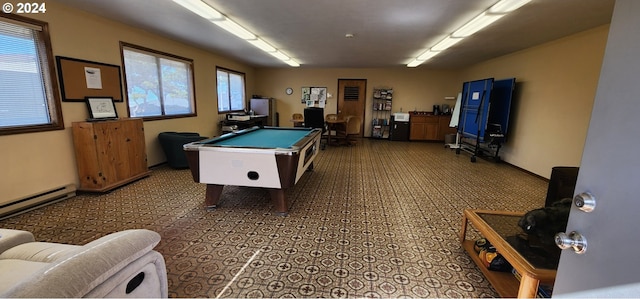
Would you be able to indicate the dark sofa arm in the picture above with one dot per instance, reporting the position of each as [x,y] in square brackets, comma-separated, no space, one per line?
[172,143]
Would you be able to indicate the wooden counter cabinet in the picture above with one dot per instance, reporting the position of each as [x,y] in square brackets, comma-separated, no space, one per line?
[429,127]
[423,127]
[109,153]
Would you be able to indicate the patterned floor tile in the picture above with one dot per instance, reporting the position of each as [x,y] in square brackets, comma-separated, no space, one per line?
[377,220]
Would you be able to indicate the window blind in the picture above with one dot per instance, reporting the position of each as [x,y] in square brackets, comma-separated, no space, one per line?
[24,75]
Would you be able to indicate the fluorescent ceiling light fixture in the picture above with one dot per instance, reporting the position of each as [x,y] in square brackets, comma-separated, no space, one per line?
[427,55]
[506,6]
[422,58]
[475,25]
[262,45]
[446,43]
[235,29]
[292,63]
[280,55]
[481,21]
[207,12]
[201,9]
[415,63]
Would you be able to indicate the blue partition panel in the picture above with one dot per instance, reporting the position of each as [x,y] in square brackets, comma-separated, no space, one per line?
[501,97]
[475,108]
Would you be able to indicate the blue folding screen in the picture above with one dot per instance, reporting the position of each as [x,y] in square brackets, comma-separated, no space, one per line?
[475,108]
[501,98]
[485,103]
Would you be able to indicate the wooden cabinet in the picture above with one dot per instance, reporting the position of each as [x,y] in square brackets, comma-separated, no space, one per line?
[109,154]
[429,127]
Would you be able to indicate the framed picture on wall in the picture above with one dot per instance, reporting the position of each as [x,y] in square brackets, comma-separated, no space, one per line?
[101,108]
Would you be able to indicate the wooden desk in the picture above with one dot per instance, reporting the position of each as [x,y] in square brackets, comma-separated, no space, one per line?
[332,125]
[497,227]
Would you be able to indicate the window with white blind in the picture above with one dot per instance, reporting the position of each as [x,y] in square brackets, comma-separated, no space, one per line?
[159,85]
[230,90]
[29,100]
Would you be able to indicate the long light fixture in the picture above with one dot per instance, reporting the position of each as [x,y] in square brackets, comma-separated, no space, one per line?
[507,6]
[207,12]
[445,43]
[476,24]
[280,55]
[201,9]
[235,29]
[262,45]
[426,55]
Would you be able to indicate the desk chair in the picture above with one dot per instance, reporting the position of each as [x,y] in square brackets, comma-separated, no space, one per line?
[314,118]
[562,184]
[332,116]
[298,119]
[353,127]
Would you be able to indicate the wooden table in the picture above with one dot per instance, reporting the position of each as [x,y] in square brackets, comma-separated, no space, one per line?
[332,124]
[497,227]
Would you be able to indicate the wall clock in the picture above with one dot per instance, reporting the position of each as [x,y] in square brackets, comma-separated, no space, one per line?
[289,90]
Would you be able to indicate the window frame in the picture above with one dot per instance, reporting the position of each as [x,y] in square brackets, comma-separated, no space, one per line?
[50,83]
[244,91]
[160,54]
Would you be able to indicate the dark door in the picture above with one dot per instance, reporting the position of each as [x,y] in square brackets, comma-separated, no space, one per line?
[352,98]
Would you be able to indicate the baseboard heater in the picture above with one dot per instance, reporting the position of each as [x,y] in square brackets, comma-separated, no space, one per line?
[31,202]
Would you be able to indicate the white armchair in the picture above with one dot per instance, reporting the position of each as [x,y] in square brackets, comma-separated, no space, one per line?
[121,264]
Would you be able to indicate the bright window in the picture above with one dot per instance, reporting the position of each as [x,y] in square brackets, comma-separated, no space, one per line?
[159,85]
[230,90]
[29,100]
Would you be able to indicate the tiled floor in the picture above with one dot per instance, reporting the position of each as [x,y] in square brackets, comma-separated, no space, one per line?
[378,219]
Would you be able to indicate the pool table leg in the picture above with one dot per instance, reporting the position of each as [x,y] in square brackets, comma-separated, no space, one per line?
[212,196]
[279,200]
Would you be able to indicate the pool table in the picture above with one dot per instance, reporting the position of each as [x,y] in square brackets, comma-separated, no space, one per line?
[273,158]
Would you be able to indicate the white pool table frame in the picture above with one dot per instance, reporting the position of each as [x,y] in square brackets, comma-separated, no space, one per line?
[275,169]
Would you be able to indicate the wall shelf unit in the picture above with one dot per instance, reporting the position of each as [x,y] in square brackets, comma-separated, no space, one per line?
[381,116]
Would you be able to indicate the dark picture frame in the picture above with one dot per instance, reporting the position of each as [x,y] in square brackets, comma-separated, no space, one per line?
[83,78]
[101,108]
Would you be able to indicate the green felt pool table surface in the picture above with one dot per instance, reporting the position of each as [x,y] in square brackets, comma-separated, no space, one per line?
[262,138]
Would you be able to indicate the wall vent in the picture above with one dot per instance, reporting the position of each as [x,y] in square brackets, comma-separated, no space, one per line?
[351,93]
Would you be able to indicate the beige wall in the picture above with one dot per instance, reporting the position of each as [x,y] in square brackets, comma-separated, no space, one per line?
[556,91]
[412,88]
[33,163]
[556,85]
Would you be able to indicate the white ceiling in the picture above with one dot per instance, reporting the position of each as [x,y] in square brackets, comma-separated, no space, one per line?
[387,33]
